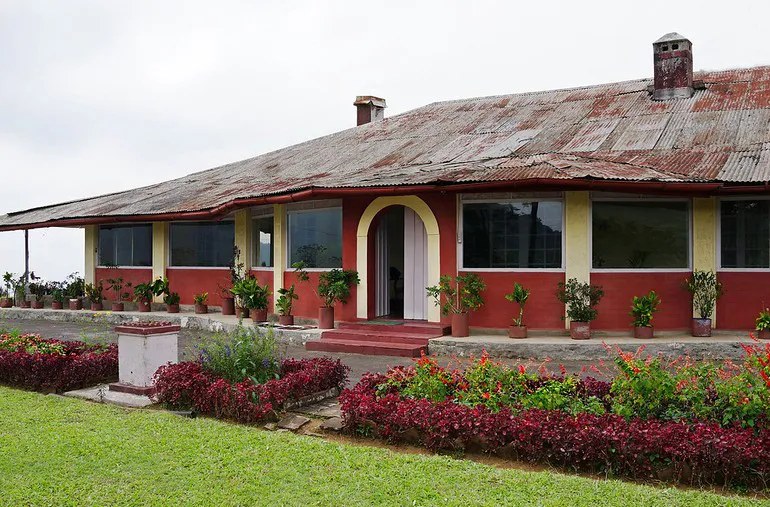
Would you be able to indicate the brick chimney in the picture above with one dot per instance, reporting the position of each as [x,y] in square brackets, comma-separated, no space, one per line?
[369,109]
[672,56]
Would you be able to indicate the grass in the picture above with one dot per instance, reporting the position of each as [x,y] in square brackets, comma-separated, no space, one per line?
[56,451]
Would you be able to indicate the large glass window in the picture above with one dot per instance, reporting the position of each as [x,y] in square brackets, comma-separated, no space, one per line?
[745,238]
[125,245]
[315,237]
[205,244]
[512,235]
[263,242]
[641,234]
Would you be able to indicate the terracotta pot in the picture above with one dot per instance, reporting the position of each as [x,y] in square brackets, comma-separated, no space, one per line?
[201,309]
[517,331]
[172,308]
[460,325]
[228,306]
[57,305]
[259,315]
[241,312]
[76,304]
[286,320]
[97,307]
[25,304]
[644,332]
[143,306]
[701,327]
[117,307]
[326,318]
[37,305]
[580,330]
[764,335]
[6,302]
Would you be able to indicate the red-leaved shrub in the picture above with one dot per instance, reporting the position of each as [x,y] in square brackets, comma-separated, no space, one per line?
[692,452]
[188,385]
[79,365]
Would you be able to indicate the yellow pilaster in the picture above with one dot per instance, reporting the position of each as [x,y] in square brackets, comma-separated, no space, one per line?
[704,237]
[577,233]
[160,245]
[280,256]
[91,242]
[243,233]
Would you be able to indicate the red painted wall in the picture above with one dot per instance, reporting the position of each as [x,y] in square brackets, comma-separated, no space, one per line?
[542,311]
[745,295]
[135,276]
[619,288]
[188,282]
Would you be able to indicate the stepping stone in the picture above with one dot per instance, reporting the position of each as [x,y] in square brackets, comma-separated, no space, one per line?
[293,422]
[334,424]
[271,426]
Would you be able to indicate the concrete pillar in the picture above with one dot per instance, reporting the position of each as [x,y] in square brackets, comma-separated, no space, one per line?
[280,255]
[704,238]
[91,246]
[160,252]
[142,349]
[243,236]
[577,233]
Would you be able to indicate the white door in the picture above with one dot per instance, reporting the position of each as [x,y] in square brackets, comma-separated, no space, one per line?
[382,262]
[415,267]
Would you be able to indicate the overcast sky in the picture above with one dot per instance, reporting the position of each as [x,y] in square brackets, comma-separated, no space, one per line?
[101,96]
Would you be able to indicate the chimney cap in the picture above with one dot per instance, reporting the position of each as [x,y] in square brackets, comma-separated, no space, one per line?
[362,100]
[671,37]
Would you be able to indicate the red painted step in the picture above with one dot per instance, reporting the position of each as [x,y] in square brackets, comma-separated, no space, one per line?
[367,347]
[414,327]
[376,336]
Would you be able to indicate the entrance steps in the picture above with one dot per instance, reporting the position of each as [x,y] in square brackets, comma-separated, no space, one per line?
[379,338]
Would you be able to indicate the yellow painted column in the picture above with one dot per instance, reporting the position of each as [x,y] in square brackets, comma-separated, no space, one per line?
[280,256]
[160,249]
[91,242]
[243,234]
[704,238]
[577,234]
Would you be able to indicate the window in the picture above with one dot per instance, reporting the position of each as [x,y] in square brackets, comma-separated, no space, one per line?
[745,234]
[315,237]
[204,244]
[523,235]
[263,242]
[641,235]
[125,245]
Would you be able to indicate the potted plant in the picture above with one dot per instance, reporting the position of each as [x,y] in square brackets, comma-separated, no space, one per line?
[74,288]
[117,285]
[200,303]
[39,289]
[241,290]
[763,324]
[143,296]
[5,297]
[519,296]
[172,302]
[258,302]
[642,308]
[460,296]
[284,304]
[580,298]
[705,289]
[95,293]
[162,288]
[237,274]
[334,287]
[58,295]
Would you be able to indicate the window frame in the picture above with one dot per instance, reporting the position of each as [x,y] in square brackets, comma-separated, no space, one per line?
[686,200]
[719,234]
[461,234]
[98,244]
[169,265]
[314,209]
[255,241]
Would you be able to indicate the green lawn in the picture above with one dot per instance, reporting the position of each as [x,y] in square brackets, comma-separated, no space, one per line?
[57,451]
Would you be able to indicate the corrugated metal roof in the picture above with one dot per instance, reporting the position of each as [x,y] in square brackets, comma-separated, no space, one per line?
[613,131]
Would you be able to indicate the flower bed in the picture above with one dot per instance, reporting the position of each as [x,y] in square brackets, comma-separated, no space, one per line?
[32,362]
[681,421]
[189,385]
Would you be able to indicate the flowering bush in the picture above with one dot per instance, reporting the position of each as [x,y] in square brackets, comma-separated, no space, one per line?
[190,385]
[32,362]
[244,353]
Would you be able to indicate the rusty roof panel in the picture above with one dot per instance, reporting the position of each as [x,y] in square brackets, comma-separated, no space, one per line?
[614,131]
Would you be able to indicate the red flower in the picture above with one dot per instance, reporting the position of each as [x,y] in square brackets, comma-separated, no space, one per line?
[485,396]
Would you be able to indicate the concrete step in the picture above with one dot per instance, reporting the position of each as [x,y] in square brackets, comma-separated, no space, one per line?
[430,329]
[367,347]
[376,335]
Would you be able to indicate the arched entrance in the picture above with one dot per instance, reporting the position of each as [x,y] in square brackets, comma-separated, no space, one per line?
[421,259]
